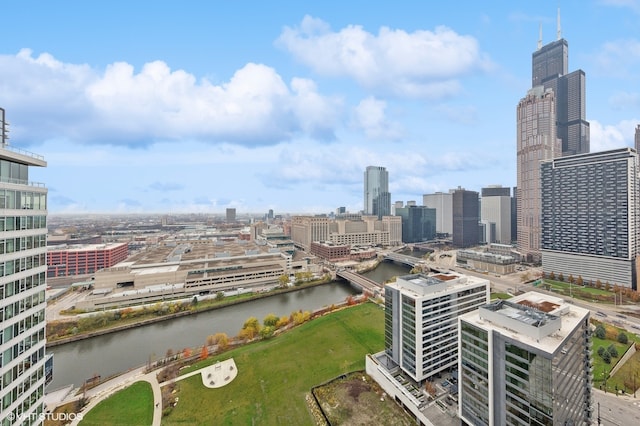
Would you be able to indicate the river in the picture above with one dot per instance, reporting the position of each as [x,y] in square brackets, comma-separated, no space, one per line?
[117,352]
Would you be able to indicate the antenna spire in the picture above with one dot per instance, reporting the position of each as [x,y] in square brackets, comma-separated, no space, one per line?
[540,36]
[559,29]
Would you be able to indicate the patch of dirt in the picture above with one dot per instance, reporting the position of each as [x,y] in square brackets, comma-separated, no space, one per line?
[357,400]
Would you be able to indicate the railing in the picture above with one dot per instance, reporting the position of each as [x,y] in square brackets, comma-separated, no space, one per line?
[23,152]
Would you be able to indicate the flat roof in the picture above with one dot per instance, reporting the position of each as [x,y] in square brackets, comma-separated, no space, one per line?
[534,311]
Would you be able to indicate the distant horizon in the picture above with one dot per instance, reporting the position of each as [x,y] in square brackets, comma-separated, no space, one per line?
[283,108]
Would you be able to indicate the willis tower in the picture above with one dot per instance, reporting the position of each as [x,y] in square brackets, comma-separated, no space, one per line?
[550,65]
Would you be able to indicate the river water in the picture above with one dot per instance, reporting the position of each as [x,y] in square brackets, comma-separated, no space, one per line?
[120,351]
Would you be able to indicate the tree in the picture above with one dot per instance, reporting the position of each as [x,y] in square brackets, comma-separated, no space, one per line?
[270,320]
[598,283]
[612,351]
[601,332]
[221,340]
[571,279]
[622,338]
[220,295]
[250,329]
[552,276]
[430,388]
[600,350]
[606,357]
[283,280]
[560,277]
[204,353]
[607,286]
[266,332]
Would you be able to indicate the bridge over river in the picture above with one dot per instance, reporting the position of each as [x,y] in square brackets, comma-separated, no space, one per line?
[365,284]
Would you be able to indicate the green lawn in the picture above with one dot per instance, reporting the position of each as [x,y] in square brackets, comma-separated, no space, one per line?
[275,375]
[132,405]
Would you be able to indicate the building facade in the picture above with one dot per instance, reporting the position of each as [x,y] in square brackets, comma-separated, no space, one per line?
[526,360]
[377,199]
[591,216]
[443,203]
[495,208]
[536,137]
[466,218]
[418,223]
[23,266]
[64,261]
[420,320]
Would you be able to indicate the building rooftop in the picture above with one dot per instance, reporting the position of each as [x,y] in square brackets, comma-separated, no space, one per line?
[83,247]
[422,285]
[539,320]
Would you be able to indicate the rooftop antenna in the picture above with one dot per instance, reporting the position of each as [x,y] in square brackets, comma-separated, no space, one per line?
[540,37]
[559,29]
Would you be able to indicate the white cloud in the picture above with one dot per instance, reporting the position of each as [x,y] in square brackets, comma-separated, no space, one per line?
[424,63]
[121,106]
[612,136]
[619,58]
[369,115]
[631,4]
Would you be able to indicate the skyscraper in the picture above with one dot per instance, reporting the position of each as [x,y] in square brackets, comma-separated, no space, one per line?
[637,139]
[550,66]
[466,218]
[418,223]
[377,199]
[591,216]
[443,203]
[526,360]
[536,141]
[495,208]
[23,239]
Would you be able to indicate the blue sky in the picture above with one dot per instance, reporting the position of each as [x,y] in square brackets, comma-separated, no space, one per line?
[196,106]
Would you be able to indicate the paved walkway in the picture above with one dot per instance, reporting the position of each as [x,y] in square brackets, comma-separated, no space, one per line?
[108,388]
[99,393]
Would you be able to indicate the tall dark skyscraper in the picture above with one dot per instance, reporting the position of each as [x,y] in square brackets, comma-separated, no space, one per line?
[550,64]
[466,218]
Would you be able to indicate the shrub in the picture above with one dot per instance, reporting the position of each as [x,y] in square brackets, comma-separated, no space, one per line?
[600,350]
[606,357]
[601,332]
[622,338]
[612,351]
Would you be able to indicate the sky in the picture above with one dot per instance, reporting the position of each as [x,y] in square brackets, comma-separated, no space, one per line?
[198,106]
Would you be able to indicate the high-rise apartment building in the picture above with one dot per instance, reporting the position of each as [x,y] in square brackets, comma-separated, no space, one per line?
[637,139]
[421,330]
[550,64]
[466,218]
[377,199]
[536,141]
[443,203]
[23,263]
[526,360]
[591,216]
[495,209]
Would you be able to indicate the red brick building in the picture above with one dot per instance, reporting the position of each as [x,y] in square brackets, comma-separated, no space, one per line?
[63,261]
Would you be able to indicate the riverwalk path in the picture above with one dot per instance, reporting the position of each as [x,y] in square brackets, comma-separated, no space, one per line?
[101,392]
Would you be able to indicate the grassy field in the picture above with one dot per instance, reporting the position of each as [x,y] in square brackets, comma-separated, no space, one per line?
[132,405]
[275,375]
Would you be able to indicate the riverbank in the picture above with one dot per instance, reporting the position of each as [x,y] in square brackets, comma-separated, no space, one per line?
[193,309]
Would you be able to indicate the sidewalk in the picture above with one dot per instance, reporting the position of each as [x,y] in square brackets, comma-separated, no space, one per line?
[97,394]
[108,388]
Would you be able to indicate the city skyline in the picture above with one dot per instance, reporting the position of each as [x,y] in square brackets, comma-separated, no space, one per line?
[174,110]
